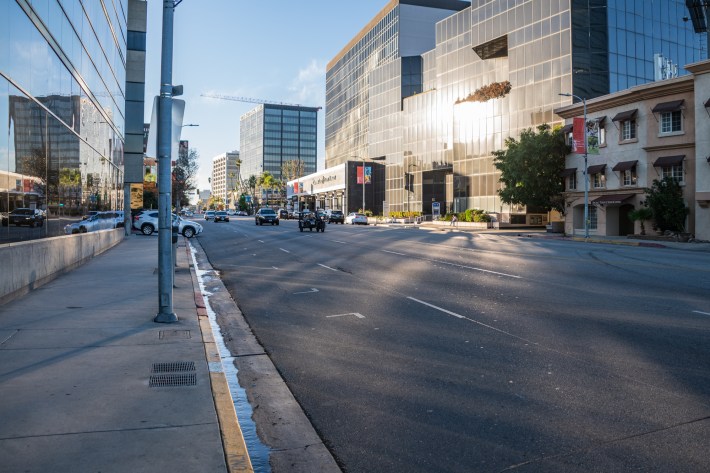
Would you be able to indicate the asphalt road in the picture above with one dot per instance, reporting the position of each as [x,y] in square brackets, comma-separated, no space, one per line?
[423,351]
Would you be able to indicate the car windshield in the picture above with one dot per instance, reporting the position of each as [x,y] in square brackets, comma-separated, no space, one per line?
[221,213]
[267,212]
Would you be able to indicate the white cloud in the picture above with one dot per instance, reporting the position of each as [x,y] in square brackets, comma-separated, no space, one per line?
[308,87]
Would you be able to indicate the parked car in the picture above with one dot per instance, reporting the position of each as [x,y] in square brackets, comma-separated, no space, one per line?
[335,216]
[266,215]
[242,213]
[147,222]
[283,213]
[231,212]
[354,218]
[209,215]
[221,216]
[24,216]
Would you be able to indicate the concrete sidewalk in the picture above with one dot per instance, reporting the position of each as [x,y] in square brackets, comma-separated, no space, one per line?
[89,383]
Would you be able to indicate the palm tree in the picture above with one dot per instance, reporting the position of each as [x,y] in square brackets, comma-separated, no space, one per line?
[641,214]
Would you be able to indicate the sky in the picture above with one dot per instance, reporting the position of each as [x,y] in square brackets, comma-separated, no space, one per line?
[273,50]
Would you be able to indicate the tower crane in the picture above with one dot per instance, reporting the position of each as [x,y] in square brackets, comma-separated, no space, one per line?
[250,100]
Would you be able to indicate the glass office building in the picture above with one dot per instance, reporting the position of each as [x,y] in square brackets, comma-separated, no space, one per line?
[403,28]
[62,102]
[438,145]
[271,135]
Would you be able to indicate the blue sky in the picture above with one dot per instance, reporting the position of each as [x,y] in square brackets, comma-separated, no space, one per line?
[270,50]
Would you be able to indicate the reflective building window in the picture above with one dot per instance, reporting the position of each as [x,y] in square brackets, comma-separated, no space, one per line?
[62,105]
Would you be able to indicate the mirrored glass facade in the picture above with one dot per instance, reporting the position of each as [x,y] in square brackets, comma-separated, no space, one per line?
[62,100]
[271,135]
[402,29]
[445,137]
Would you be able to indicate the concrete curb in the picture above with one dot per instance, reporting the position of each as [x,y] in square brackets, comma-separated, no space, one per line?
[282,426]
[235,450]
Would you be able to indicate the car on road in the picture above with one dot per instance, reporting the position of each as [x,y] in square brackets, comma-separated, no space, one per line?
[209,215]
[266,215]
[335,216]
[147,222]
[221,216]
[242,213]
[283,214]
[24,216]
[355,218]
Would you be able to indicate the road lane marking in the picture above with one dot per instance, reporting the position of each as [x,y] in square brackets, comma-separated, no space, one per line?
[313,289]
[275,267]
[260,241]
[703,313]
[327,267]
[437,308]
[474,268]
[472,320]
[285,251]
[394,253]
[359,316]
[338,241]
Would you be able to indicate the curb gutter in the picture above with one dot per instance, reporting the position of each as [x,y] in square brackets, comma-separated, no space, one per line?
[235,450]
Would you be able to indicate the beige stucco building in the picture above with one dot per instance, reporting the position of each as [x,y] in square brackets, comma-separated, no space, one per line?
[644,133]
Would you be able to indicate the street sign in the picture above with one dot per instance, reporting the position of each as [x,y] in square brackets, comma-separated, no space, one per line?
[436,209]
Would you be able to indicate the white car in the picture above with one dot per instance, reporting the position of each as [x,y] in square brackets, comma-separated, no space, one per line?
[96,221]
[354,218]
[147,222]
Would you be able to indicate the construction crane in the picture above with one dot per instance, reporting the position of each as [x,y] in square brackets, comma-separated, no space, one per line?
[249,100]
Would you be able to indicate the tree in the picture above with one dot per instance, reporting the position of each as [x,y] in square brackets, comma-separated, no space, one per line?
[184,174]
[292,169]
[665,199]
[266,181]
[530,168]
[641,214]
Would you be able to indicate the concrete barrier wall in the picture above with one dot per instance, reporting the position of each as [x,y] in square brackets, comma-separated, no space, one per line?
[28,265]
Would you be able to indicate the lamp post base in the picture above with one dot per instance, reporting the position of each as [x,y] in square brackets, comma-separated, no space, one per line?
[165,318]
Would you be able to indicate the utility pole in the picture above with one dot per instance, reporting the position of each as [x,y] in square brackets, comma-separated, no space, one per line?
[165,119]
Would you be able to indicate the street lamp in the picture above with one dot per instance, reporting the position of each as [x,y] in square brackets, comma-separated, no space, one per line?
[586,174]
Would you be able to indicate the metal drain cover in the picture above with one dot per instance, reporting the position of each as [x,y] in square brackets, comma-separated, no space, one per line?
[172,367]
[173,380]
[174,334]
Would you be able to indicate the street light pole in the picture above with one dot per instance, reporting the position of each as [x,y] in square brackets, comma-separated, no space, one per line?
[586,174]
[165,119]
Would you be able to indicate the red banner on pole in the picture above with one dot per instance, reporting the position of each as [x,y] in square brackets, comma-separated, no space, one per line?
[578,135]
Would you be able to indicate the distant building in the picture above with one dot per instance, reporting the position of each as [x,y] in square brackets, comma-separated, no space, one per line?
[225,177]
[270,135]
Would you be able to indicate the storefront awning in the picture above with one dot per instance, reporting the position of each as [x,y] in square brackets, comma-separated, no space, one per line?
[568,172]
[612,199]
[625,165]
[667,161]
[673,106]
[567,128]
[624,116]
[596,169]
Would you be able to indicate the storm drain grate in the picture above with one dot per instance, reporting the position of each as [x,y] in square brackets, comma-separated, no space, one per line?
[173,367]
[172,380]
[174,335]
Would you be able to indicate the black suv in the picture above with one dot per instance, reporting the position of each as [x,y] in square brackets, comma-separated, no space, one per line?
[336,216]
[266,216]
[28,217]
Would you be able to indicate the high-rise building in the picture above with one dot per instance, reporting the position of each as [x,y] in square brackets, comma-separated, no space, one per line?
[225,176]
[497,67]
[63,93]
[271,135]
[402,29]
